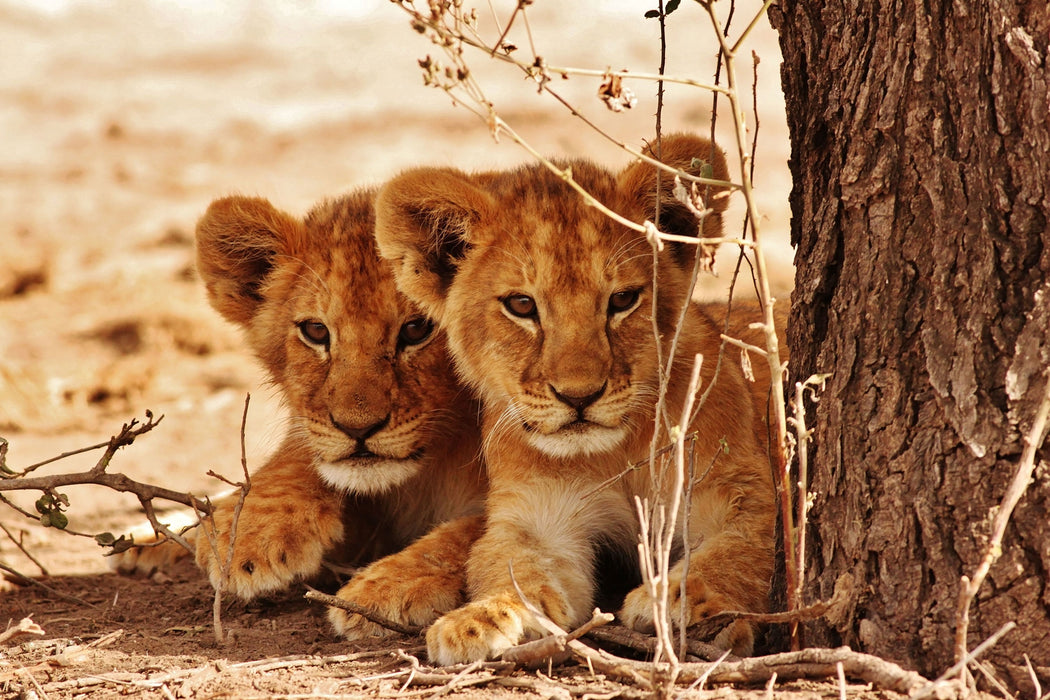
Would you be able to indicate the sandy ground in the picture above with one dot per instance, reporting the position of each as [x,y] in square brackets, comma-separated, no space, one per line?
[120,122]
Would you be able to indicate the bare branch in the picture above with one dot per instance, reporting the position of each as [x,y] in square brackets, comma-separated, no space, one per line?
[98,474]
[370,615]
[33,582]
[17,541]
[220,590]
[795,665]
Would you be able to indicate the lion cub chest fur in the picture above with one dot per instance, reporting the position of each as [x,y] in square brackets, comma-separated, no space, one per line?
[558,318]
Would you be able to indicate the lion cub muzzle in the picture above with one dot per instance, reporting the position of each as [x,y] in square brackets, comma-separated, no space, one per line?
[579,400]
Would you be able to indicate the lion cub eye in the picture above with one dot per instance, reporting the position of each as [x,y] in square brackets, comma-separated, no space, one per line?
[622,301]
[520,305]
[414,331]
[314,332]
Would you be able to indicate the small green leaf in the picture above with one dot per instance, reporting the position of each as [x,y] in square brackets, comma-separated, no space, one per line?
[118,544]
[44,503]
[59,520]
[724,444]
[652,14]
[702,167]
[671,6]
[45,519]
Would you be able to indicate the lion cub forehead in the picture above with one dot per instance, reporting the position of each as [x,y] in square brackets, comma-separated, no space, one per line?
[559,238]
[339,268]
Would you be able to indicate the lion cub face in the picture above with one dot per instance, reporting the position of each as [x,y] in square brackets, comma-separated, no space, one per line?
[560,343]
[548,304]
[364,374]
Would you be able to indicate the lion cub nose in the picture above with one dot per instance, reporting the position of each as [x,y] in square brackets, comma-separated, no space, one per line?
[579,399]
[360,433]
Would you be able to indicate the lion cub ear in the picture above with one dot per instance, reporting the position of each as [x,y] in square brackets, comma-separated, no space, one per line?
[695,155]
[427,221]
[238,240]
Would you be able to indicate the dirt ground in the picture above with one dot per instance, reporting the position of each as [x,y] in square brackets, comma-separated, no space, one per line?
[120,122]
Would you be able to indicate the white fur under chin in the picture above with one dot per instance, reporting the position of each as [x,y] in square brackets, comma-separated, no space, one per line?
[370,480]
[566,443]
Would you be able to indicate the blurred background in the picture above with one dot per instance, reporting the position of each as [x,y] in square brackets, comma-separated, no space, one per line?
[120,121]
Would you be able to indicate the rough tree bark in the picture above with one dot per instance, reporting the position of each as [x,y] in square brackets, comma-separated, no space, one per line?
[921,160]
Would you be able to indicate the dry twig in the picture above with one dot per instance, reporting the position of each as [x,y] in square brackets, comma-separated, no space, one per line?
[17,541]
[24,626]
[244,487]
[794,665]
[370,615]
[18,481]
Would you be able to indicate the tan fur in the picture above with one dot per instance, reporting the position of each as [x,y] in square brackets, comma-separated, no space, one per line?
[383,443]
[569,393]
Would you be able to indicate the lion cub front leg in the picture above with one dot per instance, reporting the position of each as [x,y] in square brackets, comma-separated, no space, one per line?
[534,539]
[414,586]
[288,521]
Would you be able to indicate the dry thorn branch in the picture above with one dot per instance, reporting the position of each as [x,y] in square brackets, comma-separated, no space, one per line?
[794,665]
[556,645]
[643,643]
[946,678]
[796,556]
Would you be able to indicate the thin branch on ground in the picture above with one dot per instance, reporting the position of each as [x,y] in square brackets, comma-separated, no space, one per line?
[793,665]
[646,644]
[554,646]
[370,615]
[22,578]
[24,626]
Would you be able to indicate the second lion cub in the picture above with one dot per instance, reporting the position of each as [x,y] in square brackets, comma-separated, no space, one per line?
[382,455]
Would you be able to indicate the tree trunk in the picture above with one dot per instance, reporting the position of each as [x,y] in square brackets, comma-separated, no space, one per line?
[921,161]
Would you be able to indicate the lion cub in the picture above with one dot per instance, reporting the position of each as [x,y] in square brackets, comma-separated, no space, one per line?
[383,452]
[550,309]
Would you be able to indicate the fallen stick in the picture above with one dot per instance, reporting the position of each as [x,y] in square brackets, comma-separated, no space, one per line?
[793,665]
[24,626]
[370,615]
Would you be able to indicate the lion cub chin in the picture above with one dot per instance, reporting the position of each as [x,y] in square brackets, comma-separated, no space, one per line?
[550,309]
[382,461]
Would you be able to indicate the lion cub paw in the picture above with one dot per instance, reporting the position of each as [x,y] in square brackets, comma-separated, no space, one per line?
[414,586]
[701,601]
[272,549]
[156,555]
[398,594]
[480,630]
